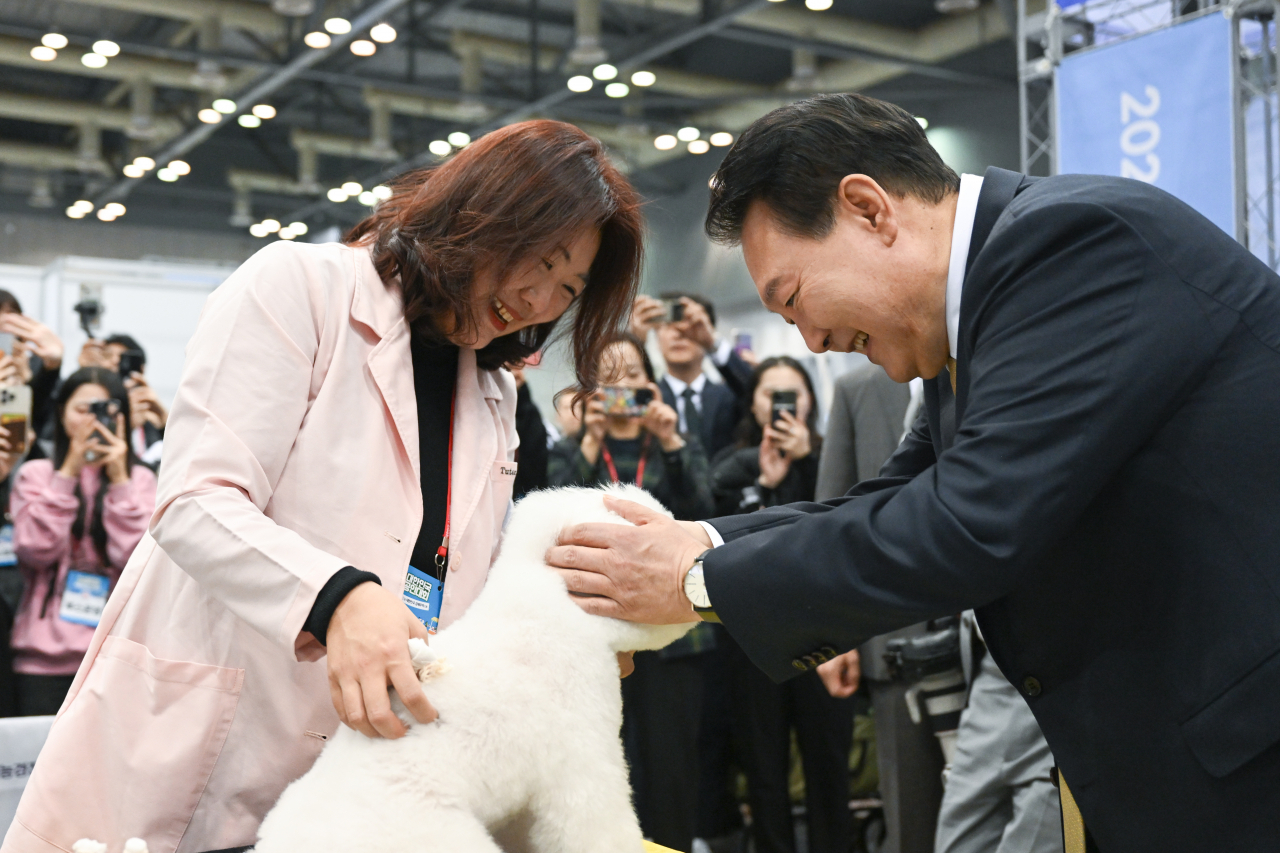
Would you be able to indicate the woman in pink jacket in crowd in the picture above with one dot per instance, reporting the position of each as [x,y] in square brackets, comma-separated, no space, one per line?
[339,459]
[76,520]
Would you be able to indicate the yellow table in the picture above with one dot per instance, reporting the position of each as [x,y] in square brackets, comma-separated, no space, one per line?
[650,847]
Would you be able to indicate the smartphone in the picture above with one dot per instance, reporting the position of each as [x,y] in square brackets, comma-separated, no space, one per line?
[741,342]
[630,402]
[15,414]
[783,401]
[6,342]
[105,411]
[131,361]
[674,309]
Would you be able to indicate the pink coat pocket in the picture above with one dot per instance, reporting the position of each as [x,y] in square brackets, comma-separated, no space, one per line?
[165,721]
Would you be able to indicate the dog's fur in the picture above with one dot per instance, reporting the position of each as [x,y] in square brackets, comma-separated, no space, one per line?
[526,753]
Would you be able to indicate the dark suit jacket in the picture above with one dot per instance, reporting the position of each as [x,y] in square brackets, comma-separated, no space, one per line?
[720,414]
[1104,488]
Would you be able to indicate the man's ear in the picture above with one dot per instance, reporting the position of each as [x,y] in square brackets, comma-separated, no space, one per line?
[866,203]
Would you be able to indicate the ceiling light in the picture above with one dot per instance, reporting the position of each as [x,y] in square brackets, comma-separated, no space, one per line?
[167,175]
[665,142]
[604,72]
[699,146]
[687,134]
[384,33]
[133,170]
[179,167]
[209,116]
[617,90]
[317,40]
[923,122]
[41,53]
[84,204]
[106,215]
[286,234]
[579,83]
[76,212]
[459,139]
[352,188]
[643,78]
[382,192]
[144,162]
[818,5]
[298,228]
[721,139]
[439,147]
[115,208]
[367,198]
[249,120]
[106,47]
[363,47]
[93,60]
[264,111]
[338,26]
[226,106]
[57,41]
[257,230]
[272,225]
[336,195]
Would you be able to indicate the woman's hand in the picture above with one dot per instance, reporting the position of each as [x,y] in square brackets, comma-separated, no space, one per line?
[9,455]
[841,675]
[661,421]
[596,422]
[38,337]
[114,457]
[773,464]
[144,405]
[81,443]
[368,644]
[791,436]
[10,373]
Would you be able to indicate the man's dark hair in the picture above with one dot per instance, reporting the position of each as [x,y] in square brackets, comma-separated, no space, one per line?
[128,342]
[9,303]
[794,158]
[704,302]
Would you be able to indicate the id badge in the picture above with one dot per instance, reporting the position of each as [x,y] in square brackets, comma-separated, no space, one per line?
[423,595]
[8,557]
[84,598]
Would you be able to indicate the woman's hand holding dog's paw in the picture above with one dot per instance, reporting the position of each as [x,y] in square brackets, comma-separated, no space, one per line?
[368,645]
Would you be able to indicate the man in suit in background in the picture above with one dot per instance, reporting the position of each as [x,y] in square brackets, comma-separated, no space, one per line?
[868,411]
[1091,472]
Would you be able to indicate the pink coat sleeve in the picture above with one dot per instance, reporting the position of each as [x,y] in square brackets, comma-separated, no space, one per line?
[44,508]
[126,509]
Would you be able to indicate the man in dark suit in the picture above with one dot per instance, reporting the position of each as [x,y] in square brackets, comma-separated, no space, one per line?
[1093,471]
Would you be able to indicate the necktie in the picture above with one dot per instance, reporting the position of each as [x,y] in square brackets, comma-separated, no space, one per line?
[692,417]
[951,370]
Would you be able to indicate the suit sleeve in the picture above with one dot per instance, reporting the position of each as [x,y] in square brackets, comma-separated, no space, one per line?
[1083,342]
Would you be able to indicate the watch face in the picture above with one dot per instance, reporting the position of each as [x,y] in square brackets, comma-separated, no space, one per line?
[695,587]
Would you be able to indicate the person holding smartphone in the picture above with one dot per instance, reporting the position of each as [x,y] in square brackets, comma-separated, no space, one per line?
[76,519]
[343,422]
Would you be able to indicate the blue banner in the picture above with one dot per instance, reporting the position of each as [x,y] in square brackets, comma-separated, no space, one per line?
[1156,108]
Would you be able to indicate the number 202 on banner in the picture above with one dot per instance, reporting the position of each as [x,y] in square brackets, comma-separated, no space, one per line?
[1139,135]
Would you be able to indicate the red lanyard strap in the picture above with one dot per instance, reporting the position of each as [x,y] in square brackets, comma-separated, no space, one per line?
[613,471]
[442,553]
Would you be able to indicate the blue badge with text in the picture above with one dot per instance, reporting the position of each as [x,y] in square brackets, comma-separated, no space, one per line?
[84,598]
[423,595]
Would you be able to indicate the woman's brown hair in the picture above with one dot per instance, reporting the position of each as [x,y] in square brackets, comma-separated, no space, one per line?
[512,195]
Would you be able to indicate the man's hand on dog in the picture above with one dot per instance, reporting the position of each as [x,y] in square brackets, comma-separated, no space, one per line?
[632,573]
[368,645]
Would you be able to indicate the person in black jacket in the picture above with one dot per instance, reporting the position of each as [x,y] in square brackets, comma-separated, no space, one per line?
[531,456]
[776,462]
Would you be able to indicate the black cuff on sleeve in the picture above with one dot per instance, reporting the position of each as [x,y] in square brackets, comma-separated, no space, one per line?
[331,594]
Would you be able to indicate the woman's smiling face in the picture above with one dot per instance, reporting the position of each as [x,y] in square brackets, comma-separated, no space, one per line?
[538,292]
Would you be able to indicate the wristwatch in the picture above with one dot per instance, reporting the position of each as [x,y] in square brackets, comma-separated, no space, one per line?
[695,585]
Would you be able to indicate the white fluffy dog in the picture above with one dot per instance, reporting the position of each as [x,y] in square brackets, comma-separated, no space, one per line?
[526,755]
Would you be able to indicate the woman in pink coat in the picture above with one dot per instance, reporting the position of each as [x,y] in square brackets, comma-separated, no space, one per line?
[342,443]
[76,520]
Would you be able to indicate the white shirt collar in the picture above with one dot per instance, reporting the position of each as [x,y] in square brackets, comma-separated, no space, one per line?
[678,386]
[961,236]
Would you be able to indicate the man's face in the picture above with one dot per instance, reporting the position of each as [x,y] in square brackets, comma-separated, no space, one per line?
[676,348]
[876,283]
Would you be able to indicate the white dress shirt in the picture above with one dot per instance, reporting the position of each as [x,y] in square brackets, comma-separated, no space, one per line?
[961,235]
[677,388]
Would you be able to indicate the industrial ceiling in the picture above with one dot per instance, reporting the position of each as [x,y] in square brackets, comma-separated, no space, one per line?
[267,109]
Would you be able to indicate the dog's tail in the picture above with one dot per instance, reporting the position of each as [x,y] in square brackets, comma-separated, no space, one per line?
[635,637]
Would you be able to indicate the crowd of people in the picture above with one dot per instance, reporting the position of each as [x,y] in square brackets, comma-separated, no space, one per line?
[78,486]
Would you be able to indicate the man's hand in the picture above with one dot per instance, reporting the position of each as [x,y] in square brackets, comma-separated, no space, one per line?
[696,325]
[144,405]
[368,646]
[646,313]
[632,573]
[841,674]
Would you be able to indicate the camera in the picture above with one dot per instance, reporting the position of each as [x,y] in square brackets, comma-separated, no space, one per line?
[90,311]
[674,309]
[931,664]
[630,402]
[131,361]
[106,411]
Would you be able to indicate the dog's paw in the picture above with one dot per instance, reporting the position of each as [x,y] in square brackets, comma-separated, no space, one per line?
[426,663]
